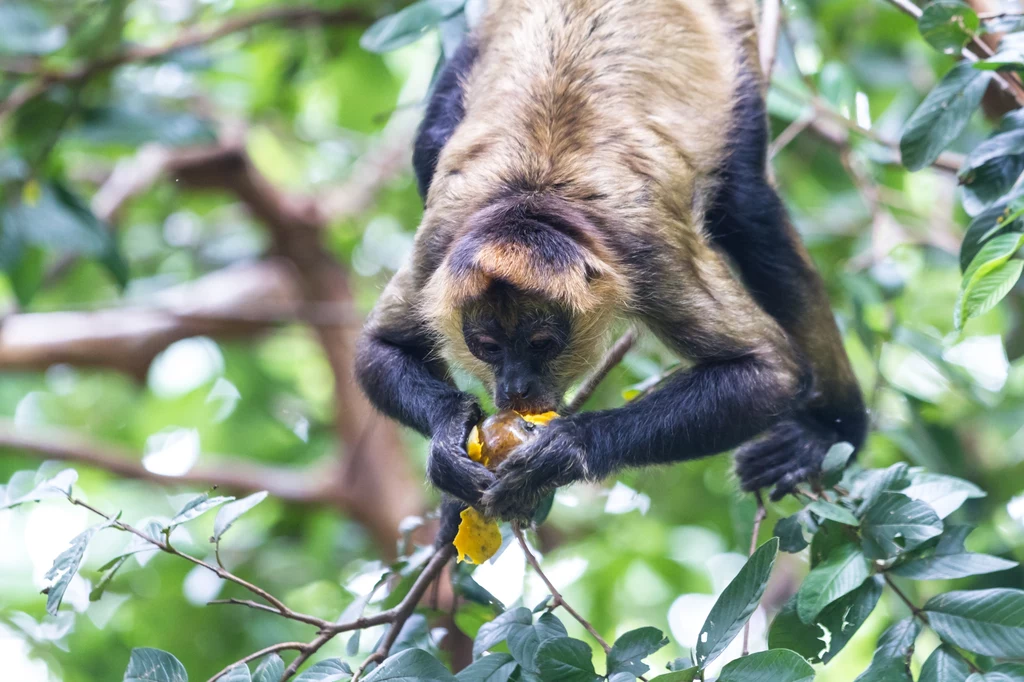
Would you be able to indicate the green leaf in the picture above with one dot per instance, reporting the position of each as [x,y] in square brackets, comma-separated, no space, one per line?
[835,462]
[43,487]
[895,524]
[948,25]
[951,566]
[688,675]
[790,533]
[942,493]
[65,566]
[525,640]
[411,665]
[840,620]
[408,25]
[490,668]
[330,670]
[845,569]
[873,482]
[136,123]
[195,508]
[59,220]
[270,670]
[109,571]
[24,29]
[497,630]
[998,219]
[984,292]
[989,622]
[775,665]
[1004,672]
[891,662]
[942,116]
[153,665]
[230,513]
[736,603]
[944,665]
[992,256]
[630,649]
[237,673]
[1010,143]
[828,510]
[567,660]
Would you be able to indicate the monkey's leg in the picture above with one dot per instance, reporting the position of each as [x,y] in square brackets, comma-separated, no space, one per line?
[748,221]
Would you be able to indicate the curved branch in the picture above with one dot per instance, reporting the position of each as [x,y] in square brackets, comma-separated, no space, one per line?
[287,16]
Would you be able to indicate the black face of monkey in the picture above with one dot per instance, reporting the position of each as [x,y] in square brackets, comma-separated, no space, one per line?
[520,338]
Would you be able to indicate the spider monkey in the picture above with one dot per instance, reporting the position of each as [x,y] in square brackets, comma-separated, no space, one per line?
[588,161]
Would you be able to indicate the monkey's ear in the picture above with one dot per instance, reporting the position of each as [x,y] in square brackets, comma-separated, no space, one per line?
[545,249]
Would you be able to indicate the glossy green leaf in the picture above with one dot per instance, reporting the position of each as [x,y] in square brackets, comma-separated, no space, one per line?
[33,486]
[270,669]
[790,533]
[828,510]
[196,507]
[153,665]
[985,292]
[845,569]
[944,494]
[951,566]
[408,25]
[948,25]
[329,670]
[630,649]
[411,665]
[238,673]
[841,619]
[942,116]
[774,665]
[989,622]
[736,603]
[66,565]
[688,675]
[891,662]
[895,524]
[497,630]
[525,640]
[944,665]
[566,660]
[490,668]
[231,512]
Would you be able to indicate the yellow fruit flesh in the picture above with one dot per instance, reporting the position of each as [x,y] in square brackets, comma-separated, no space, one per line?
[489,443]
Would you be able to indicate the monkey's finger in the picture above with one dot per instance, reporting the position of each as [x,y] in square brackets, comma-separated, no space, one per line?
[765,478]
[788,483]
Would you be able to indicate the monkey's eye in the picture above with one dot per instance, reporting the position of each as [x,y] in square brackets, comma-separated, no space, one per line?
[542,344]
[488,345]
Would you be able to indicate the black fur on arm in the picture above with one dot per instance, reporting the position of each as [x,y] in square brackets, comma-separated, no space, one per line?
[445,111]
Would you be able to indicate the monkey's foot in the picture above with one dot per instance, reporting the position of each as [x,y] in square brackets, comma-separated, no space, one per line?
[788,454]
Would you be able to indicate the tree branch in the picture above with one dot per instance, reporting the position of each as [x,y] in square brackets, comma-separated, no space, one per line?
[283,646]
[611,358]
[309,486]
[557,598]
[284,15]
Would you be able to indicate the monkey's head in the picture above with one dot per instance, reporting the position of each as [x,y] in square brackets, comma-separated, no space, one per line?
[523,299]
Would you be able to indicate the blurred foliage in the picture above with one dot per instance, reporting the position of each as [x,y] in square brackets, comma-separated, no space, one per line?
[654,548]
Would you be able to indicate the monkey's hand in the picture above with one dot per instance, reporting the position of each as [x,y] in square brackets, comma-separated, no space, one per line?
[556,457]
[788,454]
[449,467]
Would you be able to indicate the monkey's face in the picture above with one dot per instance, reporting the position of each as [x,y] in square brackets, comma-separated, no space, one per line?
[524,342]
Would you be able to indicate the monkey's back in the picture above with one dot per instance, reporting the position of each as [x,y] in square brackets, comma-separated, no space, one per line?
[624,104]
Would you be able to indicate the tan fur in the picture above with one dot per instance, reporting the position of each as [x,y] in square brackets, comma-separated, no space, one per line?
[621,103]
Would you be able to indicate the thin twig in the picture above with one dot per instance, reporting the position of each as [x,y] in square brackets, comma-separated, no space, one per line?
[759,514]
[278,605]
[301,617]
[918,613]
[556,596]
[283,646]
[611,358]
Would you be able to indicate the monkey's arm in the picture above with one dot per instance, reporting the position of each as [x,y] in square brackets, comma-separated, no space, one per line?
[745,378]
[399,371]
